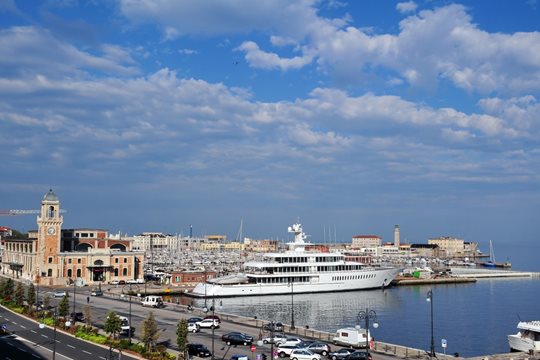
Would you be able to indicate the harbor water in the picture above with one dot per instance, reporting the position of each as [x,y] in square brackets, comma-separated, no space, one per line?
[473,318]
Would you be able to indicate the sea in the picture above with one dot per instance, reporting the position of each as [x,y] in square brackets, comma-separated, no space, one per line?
[473,319]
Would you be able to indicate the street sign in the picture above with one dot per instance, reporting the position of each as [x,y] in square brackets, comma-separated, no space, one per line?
[253,348]
[444,343]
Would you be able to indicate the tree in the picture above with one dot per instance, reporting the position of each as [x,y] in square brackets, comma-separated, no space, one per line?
[6,288]
[31,295]
[63,306]
[19,294]
[113,323]
[46,301]
[150,331]
[181,336]
[87,316]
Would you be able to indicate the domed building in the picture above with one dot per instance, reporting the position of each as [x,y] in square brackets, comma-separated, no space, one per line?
[55,256]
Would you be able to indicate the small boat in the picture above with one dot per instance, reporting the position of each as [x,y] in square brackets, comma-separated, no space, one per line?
[527,338]
[492,263]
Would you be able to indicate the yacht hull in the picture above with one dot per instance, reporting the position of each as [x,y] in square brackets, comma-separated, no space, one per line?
[327,282]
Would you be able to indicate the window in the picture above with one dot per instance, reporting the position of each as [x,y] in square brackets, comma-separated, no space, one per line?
[78,261]
[116,272]
[69,273]
[49,272]
[69,261]
[78,273]
[50,260]
[124,271]
[125,260]
[50,213]
[116,261]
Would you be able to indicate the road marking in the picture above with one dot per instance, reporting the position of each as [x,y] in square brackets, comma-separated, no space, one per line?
[71,346]
[24,327]
[89,353]
[101,357]
[34,331]
[21,349]
[45,336]
[36,356]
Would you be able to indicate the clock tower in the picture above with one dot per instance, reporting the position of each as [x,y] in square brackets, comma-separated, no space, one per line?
[49,236]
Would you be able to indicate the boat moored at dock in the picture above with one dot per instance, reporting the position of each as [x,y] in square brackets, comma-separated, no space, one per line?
[298,271]
[527,338]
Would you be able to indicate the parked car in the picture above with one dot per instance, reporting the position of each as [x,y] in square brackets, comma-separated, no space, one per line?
[316,347]
[152,301]
[292,341]
[193,327]
[131,281]
[213,317]
[114,282]
[77,316]
[239,357]
[96,293]
[359,355]
[340,354]
[237,338]
[273,326]
[122,282]
[285,350]
[208,324]
[303,354]
[60,293]
[198,350]
[277,339]
[194,319]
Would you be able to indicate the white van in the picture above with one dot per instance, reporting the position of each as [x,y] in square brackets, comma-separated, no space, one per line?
[152,301]
[351,337]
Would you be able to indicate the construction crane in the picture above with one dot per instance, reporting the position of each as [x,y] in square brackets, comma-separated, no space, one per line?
[22,212]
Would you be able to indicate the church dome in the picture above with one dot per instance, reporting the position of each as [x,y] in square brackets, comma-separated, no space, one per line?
[50,196]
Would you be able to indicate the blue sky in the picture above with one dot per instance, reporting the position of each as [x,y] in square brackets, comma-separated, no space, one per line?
[354,116]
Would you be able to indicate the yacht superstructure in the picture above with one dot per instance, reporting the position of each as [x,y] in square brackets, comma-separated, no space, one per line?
[298,271]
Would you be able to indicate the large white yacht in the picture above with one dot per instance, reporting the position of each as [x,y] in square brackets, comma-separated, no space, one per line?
[527,338]
[297,271]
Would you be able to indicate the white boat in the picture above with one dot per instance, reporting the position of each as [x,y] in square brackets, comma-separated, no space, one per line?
[527,338]
[298,271]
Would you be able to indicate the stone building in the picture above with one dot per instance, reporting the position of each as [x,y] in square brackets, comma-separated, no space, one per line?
[55,256]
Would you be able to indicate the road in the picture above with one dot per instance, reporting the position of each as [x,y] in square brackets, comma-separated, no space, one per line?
[167,319]
[31,342]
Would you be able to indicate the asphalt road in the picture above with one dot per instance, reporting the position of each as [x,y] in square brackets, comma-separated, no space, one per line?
[31,342]
[167,319]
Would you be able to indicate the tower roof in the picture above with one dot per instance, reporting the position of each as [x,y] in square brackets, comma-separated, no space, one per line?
[50,196]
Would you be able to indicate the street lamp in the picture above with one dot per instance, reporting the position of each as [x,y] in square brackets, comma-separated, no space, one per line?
[74,315]
[129,294]
[430,300]
[291,283]
[367,315]
[42,326]
[213,309]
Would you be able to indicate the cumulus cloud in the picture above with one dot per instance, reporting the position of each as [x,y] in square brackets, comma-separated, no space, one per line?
[405,7]
[264,60]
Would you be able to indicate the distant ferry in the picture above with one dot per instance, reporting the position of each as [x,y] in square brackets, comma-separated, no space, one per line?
[297,271]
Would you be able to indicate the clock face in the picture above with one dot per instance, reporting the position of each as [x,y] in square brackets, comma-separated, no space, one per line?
[51,230]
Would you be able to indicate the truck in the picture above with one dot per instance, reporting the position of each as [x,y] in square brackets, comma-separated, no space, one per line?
[351,337]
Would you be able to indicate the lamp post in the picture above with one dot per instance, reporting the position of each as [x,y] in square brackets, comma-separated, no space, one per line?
[430,300]
[367,315]
[213,309]
[42,326]
[291,283]
[74,294]
[129,294]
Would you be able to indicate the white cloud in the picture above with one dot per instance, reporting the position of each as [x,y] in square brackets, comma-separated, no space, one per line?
[405,7]
[264,60]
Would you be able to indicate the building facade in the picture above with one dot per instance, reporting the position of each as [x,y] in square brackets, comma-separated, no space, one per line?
[365,241]
[55,256]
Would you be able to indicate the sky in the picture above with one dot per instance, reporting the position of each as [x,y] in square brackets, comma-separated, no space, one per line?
[348,116]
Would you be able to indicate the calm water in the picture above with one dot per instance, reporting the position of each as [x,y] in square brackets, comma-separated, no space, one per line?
[473,318]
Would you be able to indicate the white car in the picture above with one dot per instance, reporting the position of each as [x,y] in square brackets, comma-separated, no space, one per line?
[208,323]
[286,350]
[291,341]
[193,327]
[303,354]
[59,294]
[114,282]
[277,339]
